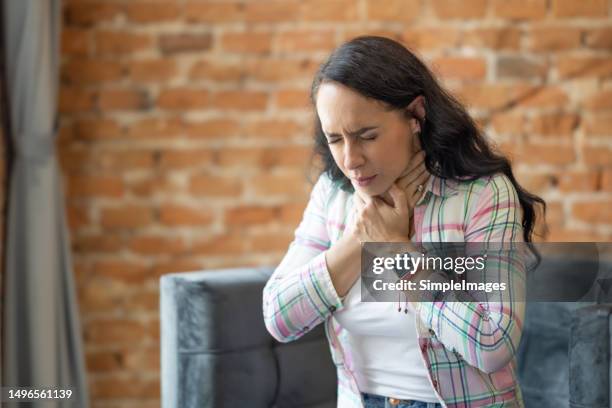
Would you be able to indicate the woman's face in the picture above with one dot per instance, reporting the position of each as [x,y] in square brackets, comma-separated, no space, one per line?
[370,144]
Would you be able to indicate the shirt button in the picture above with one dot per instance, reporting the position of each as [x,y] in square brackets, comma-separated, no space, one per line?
[434,383]
[332,309]
[433,333]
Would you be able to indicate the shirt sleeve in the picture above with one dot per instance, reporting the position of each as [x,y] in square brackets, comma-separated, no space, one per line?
[487,334]
[300,294]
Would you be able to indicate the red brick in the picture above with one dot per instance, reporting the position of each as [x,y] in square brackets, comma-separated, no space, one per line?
[606,180]
[492,96]
[142,358]
[249,215]
[296,156]
[240,100]
[599,38]
[306,40]
[554,38]
[537,183]
[264,11]
[216,70]
[521,67]
[536,153]
[97,129]
[584,8]
[556,124]
[393,10]
[544,97]
[593,211]
[102,243]
[154,127]
[431,38]
[329,10]
[122,99]
[597,155]
[176,265]
[270,241]
[447,9]
[183,98]
[76,42]
[510,122]
[350,33]
[599,125]
[602,100]
[178,43]
[564,234]
[152,12]
[121,42]
[128,272]
[239,157]
[156,245]
[122,387]
[520,9]
[205,12]
[152,70]
[116,331]
[154,185]
[76,99]
[291,214]
[281,69]
[292,99]
[214,186]
[213,128]
[147,302]
[103,361]
[578,180]
[127,216]
[185,158]
[91,12]
[287,184]
[503,38]
[272,128]
[78,216]
[180,215]
[247,42]
[578,66]
[91,71]
[228,244]
[95,186]
[464,68]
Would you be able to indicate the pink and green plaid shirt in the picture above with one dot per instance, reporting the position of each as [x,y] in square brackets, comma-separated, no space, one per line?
[468,347]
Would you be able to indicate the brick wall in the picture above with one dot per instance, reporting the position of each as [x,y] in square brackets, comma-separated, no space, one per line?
[185,135]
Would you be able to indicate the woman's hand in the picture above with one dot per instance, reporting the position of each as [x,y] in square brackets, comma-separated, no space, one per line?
[377,221]
[414,179]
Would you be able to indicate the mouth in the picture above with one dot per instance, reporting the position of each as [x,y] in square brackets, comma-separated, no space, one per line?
[364,181]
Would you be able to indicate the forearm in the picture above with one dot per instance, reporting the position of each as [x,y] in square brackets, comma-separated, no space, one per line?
[344,263]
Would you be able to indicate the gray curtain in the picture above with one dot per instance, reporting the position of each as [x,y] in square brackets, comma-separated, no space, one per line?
[42,345]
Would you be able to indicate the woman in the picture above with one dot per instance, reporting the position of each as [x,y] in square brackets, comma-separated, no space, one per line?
[403,162]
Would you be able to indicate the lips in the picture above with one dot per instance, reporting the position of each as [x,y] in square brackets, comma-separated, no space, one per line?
[364,181]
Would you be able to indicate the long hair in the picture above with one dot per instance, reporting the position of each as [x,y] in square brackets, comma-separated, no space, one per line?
[455,149]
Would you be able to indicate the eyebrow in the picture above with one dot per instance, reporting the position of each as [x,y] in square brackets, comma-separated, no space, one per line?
[354,134]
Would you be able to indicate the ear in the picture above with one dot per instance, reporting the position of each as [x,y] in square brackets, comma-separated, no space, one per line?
[417,109]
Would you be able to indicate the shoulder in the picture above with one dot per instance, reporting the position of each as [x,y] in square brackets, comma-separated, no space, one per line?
[497,187]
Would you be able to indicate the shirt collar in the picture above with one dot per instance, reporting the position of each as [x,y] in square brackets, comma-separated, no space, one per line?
[440,187]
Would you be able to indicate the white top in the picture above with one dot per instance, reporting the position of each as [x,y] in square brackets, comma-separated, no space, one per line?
[383,341]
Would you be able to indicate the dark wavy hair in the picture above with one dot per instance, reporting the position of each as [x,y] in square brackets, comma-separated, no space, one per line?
[382,69]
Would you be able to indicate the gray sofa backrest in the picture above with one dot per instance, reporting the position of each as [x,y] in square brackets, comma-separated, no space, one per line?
[217,353]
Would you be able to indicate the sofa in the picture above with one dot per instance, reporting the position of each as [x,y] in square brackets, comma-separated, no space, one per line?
[216,352]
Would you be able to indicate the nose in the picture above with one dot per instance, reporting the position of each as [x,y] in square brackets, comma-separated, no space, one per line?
[353,155]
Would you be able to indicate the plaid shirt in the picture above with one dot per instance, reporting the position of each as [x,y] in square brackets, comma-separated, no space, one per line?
[467,347]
